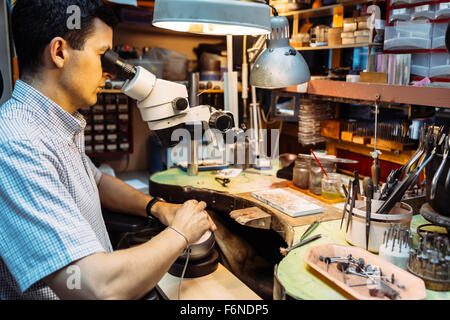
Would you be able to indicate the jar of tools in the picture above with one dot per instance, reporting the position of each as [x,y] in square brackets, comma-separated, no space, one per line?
[316,174]
[301,172]
[331,184]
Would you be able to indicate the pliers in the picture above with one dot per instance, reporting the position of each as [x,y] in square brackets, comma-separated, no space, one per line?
[440,169]
[223,181]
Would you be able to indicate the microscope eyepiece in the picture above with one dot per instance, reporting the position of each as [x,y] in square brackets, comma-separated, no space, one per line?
[112,63]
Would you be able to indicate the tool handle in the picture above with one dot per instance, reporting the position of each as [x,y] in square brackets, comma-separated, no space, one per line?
[436,178]
[301,243]
[376,173]
[397,195]
[310,229]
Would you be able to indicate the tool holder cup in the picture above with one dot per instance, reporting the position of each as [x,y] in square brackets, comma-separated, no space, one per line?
[400,214]
[441,200]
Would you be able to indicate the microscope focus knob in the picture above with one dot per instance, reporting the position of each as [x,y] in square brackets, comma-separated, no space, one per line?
[180,104]
[221,121]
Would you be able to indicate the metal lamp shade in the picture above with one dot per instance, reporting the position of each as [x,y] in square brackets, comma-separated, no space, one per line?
[279,65]
[215,17]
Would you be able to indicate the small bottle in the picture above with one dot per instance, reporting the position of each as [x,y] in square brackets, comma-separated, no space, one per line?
[316,175]
[301,173]
[315,179]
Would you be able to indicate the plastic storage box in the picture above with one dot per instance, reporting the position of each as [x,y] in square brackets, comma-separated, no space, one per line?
[442,10]
[420,64]
[438,40]
[408,35]
[400,2]
[402,14]
[425,11]
[440,65]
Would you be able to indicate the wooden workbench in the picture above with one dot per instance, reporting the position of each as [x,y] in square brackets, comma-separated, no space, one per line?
[175,185]
[219,285]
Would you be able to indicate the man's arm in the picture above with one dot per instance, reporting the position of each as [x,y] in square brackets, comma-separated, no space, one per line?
[118,196]
[133,272]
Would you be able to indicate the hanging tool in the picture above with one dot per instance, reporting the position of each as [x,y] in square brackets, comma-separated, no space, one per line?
[369,196]
[440,169]
[347,199]
[375,169]
[355,188]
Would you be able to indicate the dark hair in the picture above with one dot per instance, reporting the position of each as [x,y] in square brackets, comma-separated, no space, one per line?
[36,22]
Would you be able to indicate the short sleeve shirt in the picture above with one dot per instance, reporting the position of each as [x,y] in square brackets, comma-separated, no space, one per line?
[50,211]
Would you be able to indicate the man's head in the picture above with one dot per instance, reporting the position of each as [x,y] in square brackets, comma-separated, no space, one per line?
[63,40]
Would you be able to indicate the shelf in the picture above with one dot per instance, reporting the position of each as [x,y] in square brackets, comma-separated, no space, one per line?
[425,96]
[325,10]
[146,4]
[342,46]
[400,157]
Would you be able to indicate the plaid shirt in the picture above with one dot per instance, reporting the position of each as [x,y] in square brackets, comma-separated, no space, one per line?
[50,213]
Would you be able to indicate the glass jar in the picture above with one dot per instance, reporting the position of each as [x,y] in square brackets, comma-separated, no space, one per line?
[316,174]
[301,173]
[331,185]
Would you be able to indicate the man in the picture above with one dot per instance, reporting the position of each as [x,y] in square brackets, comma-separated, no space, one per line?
[51,227]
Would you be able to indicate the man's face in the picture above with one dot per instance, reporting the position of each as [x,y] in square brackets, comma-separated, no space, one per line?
[83,76]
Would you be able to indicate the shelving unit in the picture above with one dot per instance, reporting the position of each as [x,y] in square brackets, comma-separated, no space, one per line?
[343,46]
[326,10]
[426,96]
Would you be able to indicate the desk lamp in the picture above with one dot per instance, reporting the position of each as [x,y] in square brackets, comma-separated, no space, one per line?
[216,17]
[278,66]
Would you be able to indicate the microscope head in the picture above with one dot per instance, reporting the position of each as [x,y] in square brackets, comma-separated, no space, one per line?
[164,105]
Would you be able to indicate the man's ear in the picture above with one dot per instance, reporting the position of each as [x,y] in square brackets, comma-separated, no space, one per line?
[58,52]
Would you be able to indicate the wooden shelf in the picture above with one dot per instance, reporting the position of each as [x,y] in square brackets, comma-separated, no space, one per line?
[146,4]
[325,10]
[343,46]
[425,96]
[400,157]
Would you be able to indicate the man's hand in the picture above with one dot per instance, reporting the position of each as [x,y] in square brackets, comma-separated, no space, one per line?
[192,220]
[166,212]
[132,201]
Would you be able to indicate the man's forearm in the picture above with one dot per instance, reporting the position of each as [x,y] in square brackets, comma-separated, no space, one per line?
[129,273]
[118,196]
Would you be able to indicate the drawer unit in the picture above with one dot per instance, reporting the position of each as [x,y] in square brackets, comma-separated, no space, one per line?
[108,125]
[408,35]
